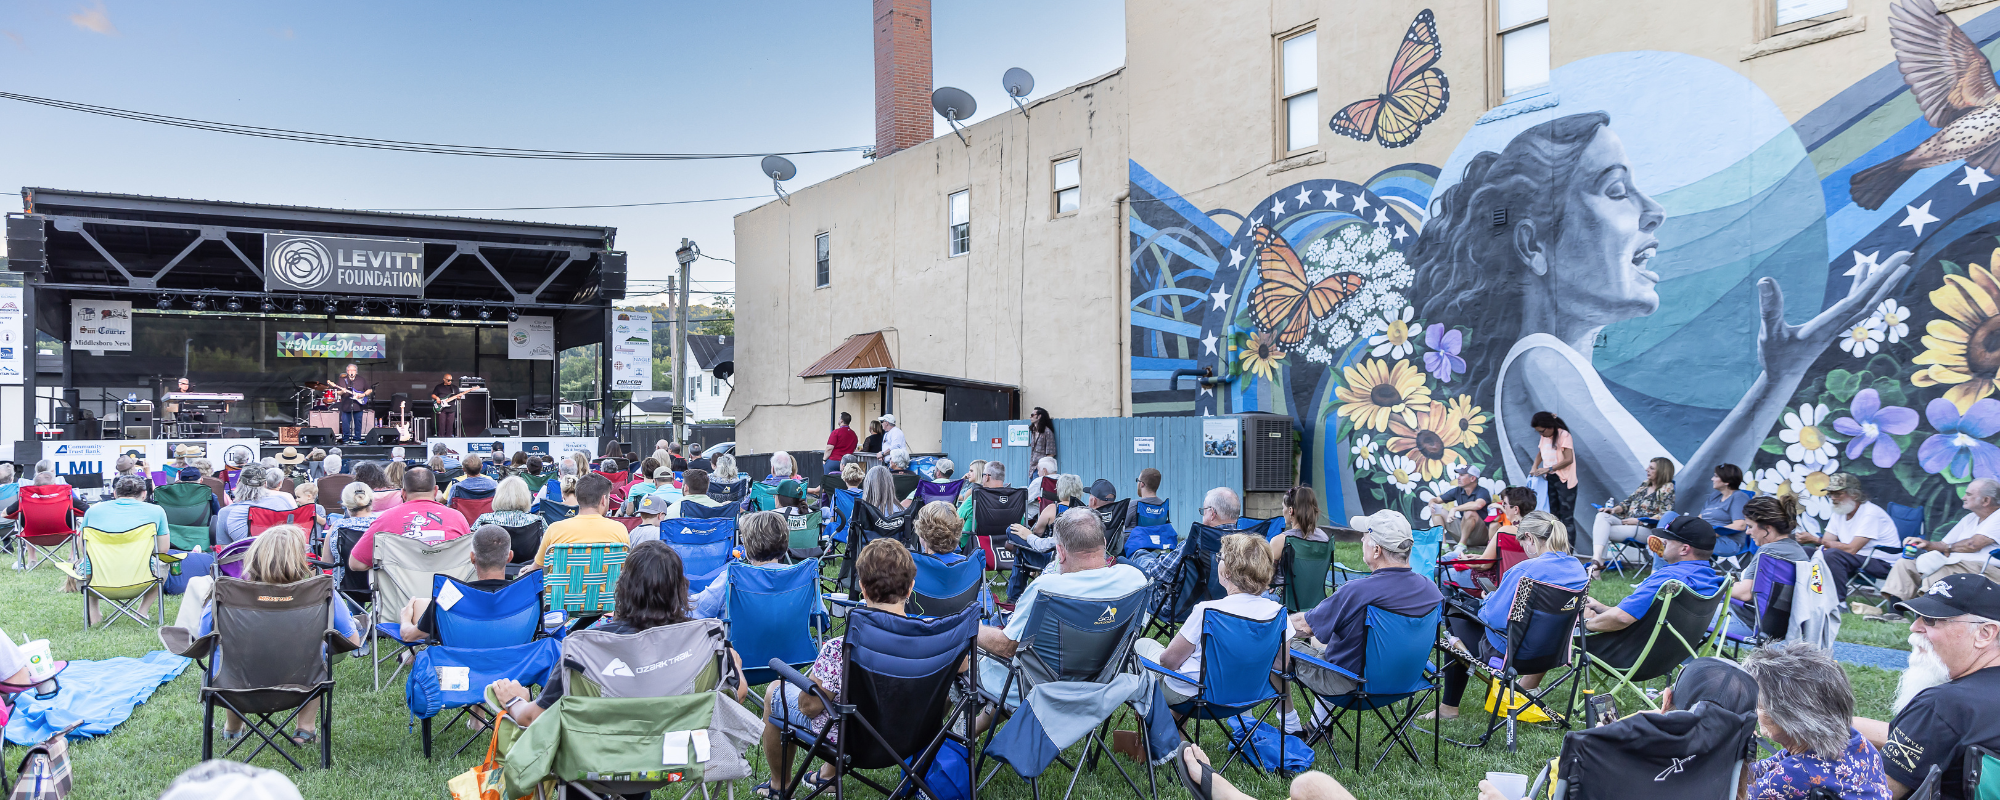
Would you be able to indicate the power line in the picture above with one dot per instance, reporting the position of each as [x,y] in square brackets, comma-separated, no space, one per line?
[602,205]
[363,142]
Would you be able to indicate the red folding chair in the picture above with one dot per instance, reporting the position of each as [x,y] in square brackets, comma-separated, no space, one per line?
[472,507]
[630,523]
[48,523]
[263,519]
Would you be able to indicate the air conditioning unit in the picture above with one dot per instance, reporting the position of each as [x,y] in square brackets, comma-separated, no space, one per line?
[1269,453]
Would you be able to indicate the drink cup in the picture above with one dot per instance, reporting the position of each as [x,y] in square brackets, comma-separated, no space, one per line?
[1512,786]
[1911,551]
[41,664]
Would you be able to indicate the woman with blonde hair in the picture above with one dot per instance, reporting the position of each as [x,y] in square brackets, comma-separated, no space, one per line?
[278,556]
[1619,522]
[852,474]
[1246,572]
[512,501]
[940,530]
[1545,540]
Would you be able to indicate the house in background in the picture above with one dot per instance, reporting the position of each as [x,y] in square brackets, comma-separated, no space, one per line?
[706,393]
[649,408]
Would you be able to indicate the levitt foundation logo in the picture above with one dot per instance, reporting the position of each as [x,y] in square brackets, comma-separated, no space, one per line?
[305,263]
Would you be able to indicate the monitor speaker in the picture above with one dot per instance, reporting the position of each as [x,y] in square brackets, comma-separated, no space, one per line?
[139,431]
[611,275]
[316,436]
[384,436]
[497,433]
[138,419]
[534,427]
[27,246]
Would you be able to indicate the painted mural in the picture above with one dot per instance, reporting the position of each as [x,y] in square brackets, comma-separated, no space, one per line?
[1677,272]
[1416,96]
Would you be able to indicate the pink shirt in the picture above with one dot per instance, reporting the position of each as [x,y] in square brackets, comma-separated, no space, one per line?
[425,520]
[1552,455]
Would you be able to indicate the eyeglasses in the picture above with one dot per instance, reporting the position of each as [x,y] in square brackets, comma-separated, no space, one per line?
[1935,621]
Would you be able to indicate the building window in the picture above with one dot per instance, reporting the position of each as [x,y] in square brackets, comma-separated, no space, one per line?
[715,388]
[1068,185]
[1524,46]
[960,222]
[1298,86]
[695,382]
[1791,15]
[821,277]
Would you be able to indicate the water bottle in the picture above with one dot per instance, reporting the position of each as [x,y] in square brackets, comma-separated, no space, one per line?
[1911,551]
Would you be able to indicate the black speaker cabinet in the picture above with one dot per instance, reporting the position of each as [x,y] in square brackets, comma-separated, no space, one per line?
[534,427]
[316,436]
[384,436]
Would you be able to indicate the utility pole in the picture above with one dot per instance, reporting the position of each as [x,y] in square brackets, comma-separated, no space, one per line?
[686,256]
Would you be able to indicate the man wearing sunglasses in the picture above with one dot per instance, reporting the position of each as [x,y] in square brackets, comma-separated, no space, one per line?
[1957,618]
[1686,544]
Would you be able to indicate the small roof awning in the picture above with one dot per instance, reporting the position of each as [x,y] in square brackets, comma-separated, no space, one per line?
[922,381]
[860,351]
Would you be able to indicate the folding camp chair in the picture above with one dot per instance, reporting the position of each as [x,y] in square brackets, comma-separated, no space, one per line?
[1070,639]
[1540,638]
[1240,657]
[949,582]
[772,614]
[1394,668]
[525,541]
[693,510]
[992,511]
[189,507]
[763,497]
[803,537]
[934,491]
[121,575]
[1982,774]
[1770,606]
[1267,528]
[730,494]
[869,524]
[535,482]
[902,698]
[472,503]
[264,519]
[1113,516]
[48,524]
[404,568]
[631,523]
[581,579]
[704,546]
[553,512]
[271,651]
[330,488]
[1673,630]
[1696,754]
[1302,572]
[1149,537]
[1192,577]
[628,693]
[482,637]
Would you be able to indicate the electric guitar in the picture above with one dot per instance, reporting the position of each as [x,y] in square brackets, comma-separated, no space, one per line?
[361,396]
[441,405]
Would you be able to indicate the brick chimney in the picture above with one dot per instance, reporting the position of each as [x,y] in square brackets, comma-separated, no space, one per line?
[902,75]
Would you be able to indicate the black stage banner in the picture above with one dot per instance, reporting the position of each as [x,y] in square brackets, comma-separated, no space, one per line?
[333,264]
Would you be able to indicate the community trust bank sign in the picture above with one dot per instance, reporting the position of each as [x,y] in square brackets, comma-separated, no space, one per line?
[333,264]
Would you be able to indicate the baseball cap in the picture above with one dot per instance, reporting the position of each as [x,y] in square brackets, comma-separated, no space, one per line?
[1718,681]
[653,503]
[1464,469]
[1690,530]
[888,418]
[1842,482]
[792,490]
[1957,595]
[1102,490]
[190,474]
[663,472]
[1388,528]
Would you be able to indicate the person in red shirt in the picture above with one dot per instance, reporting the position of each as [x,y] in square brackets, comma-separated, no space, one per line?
[420,516]
[840,443]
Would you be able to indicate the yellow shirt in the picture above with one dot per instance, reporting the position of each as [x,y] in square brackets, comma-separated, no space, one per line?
[583,529]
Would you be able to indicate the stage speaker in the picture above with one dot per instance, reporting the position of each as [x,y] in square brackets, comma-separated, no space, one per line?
[316,436]
[138,419]
[27,247]
[534,427]
[380,437]
[497,433]
[611,275]
[139,431]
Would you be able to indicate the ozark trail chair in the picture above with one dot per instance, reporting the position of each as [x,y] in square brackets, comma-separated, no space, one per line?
[1395,668]
[772,614]
[1540,640]
[704,546]
[692,510]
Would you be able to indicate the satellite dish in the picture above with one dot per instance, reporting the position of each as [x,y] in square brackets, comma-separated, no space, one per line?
[780,169]
[724,371]
[1018,82]
[956,106]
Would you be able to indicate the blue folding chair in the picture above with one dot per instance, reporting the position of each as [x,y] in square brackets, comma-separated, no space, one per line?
[691,510]
[1159,513]
[704,545]
[1543,626]
[1150,537]
[1267,528]
[482,637]
[949,582]
[1770,606]
[1193,578]
[553,512]
[1425,552]
[1238,660]
[773,613]
[730,494]
[1395,666]
[843,512]
[928,491]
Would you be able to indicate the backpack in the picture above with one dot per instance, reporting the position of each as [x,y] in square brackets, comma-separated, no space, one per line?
[1264,747]
[950,775]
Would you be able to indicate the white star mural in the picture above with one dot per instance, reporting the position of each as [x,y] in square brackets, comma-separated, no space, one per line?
[1864,266]
[1382,216]
[1360,204]
[1918,218]
[1235,257]
[1332,196]
[1973,177]
[1305,197]
[1277,206]
[1220,297]
[1208,344]
[1400,233]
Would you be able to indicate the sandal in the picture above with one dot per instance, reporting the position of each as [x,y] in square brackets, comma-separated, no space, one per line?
[1205,788]
[303,738]
[1595,570]
[764,790]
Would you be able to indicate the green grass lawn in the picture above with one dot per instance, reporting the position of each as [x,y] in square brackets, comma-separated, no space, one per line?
[377,754]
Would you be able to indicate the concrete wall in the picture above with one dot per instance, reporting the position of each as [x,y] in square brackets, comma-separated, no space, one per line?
[1037,303]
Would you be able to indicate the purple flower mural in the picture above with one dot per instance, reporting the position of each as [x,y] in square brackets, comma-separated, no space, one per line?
[1874,425]
[1443,360]
[1959,449]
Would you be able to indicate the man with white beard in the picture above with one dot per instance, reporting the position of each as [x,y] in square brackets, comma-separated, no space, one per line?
[1963,549]
[1854,534]
[1950,697]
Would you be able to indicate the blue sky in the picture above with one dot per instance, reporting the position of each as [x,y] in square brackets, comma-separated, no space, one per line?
[608,76]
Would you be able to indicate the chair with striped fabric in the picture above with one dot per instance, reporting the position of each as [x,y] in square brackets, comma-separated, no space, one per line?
[581,578]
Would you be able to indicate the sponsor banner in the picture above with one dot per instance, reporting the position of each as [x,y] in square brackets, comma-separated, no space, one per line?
[311,263]
[100,324]
[631,351]
[15,346]
[545,446]
[303,344]
[101,458]
[532,338]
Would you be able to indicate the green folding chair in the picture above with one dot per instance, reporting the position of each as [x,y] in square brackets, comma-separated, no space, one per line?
[1675,628]
[582,578]
[1302,572]
[1982,774]
[763,497]
[188,513]
[803,532]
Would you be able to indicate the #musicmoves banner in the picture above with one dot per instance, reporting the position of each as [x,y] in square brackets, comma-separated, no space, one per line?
[303,344]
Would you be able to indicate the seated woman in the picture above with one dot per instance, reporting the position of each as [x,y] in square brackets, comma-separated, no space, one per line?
[386,496]
[512,500]
[1514,503]
[278,556]
[652,592]
[358,500]
[1246,572]
[1041,535]
[1620,522]
[939,530]
[1805,705]
[887,575]
[1724,513]
[1301,520]
[1546,542]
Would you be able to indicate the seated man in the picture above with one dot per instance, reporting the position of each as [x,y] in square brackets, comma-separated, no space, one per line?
[1856,529]
[661,478]
[1686,545]
[992,476]
[1339,624]
[695,482]
[43,478]
[1220,509]
[128,509]
[781,469]
[1462,511]
[475,481]
[447,459]
[420,516]
[1085,575]
[490,554]
[1956,651]
[763,537]
[1962,551]
[589,526]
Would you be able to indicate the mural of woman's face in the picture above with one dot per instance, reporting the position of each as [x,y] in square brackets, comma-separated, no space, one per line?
[1599,263]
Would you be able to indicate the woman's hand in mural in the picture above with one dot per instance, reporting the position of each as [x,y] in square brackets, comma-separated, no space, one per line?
[1788,350]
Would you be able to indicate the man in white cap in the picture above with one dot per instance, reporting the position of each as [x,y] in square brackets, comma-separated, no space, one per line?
[892,436]
[1462,510]
[1339,623]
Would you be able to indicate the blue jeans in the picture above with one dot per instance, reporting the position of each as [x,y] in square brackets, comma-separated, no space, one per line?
[350,424]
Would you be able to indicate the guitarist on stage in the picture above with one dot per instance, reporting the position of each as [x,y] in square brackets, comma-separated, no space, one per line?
[354,393]
[447,414]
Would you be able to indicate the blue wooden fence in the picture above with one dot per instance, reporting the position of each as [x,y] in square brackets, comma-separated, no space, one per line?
[1102,447]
